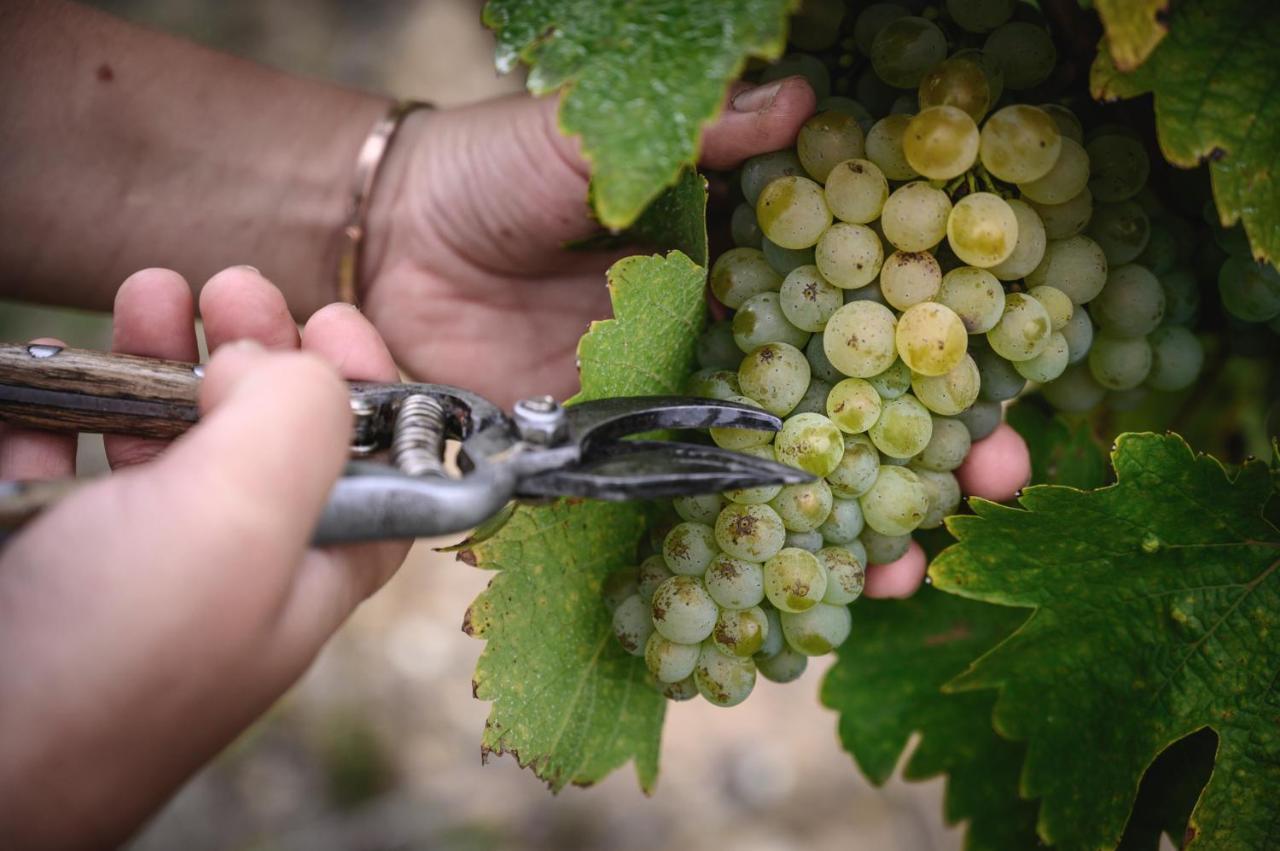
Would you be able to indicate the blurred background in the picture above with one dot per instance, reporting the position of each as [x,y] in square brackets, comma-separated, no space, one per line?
[378,746]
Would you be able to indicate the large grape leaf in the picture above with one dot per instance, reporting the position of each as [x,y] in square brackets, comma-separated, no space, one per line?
[887,684]
[1157,614]
[641,78]
[1217,97]
[567,701]
[1134,28]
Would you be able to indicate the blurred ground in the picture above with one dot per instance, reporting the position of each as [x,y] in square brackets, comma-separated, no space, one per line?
[378,746]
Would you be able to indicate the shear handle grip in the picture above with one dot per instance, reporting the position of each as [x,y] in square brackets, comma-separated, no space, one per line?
[63,389]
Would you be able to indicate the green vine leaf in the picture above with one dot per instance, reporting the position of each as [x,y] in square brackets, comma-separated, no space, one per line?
[567,701]
[1157,613]
[1134,28]
[641,78]
[887,684]
[1063,450]
[1217,97]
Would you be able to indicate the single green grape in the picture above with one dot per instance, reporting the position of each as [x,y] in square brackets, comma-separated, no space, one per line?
[849,106]
[699,508]
[619,585]
[794,580]
[1019,144]
[846,574]
[871,20]
[905,49]
[858,468]
[816,25]
[1121,229]
[1056,303]
[844,523]
[734,583]
[811,540]
[853,405]
[773,640]
[1120,167]
[859,339]
[739,439]
[1024,51]
[1119,363]
[652,572]
[999,380]
[982,229]
[849,255]
[632,625]
[683,611]
[884,549]
[943,492]
[941,142]
[759,171]
[1068,124]
[811,442]
[826,139]
[1249,290]
[884,147]
[803,507]
[820,368]
[960,82]
[723,680]
[818,630]
[975,295]
[856,190]
[1131,304]
[947,448]
[775,375]
[785,260]
[893,382]
[760,320]
[807,299]
[714,383]
[1075,391]
[743,227]
[1176,358]
[1049,364]
[740,632]
[716,347]
[1029,249]
[1077,266]
[1078,333]
[915,216]
[689,548]
[786,665]
[670,661]
[931,339]
[814,400]
[910,277]
[1067,219]
[979,16]
[904,427]
[741,273]
[1068,177]
[753,495]
[1023,331]
[951,393]
[751,532]
[793,212]
[981,418]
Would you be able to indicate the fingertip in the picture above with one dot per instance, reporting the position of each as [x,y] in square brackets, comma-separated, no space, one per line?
[899,578]
[240,303]
[344,337]
[759,119]
[998,466]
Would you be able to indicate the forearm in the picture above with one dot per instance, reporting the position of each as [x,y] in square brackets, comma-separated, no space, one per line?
[124,148]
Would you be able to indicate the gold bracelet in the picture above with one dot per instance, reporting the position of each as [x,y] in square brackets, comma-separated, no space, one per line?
[368,163]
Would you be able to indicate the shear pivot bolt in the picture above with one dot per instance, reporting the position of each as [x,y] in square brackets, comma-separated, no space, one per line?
[540,420]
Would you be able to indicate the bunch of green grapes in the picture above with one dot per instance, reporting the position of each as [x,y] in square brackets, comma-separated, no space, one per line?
[910,265]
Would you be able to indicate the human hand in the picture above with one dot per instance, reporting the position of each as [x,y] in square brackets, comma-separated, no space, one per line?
[150,617]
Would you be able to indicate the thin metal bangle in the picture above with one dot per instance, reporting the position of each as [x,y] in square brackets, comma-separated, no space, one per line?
[368,163]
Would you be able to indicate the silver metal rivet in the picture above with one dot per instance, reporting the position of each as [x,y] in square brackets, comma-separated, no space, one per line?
[198,370]
[43,350]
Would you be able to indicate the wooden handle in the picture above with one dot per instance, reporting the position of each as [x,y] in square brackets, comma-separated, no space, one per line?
[62,389]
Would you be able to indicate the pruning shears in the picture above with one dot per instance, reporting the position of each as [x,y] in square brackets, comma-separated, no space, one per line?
[397,484]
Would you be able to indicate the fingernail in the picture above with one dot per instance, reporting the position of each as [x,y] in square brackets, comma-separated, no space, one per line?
[253,269]
[758,99]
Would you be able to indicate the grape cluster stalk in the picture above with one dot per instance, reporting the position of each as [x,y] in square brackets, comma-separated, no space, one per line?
[930,248]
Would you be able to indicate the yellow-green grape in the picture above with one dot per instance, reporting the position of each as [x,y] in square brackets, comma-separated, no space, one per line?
[1075,391]
[738,439]
[1121,229]
[618,586]
[947,448]
[982,229]
[734,583]
[758,172]
[811,442]
[915,216]
[1023,331]
[943,492]
[904,427]
[814,400]
[804,65]
[1020,143]
[803,507]
[1028,251]
[896,503]
[683,611]
[826,139]
[856,191]
[1067,179]
[632,625]
[793,212]
[1068,125]
[905,49]
[1049,364]
[689,548]
[1025,52]
[1120,167]
[959,82]
[871,20]
[849,255]
[670,661]
[784,260]
[844,524]
[1182,297]
[741,273]
[1176,358]
[652,572]
[859,339]
[1131,304]
[1077,266]
[1000,381]
[811,540]
[744,228]
[979,16]
[723,680]
[816,26]
[686,689]
[808,299]
[976,297]
[941,142]
[775,375]
[846,575]
[714,383]
[740,632]
[758,494]
[931,338]
[817,631]
[909,277]
[853,405]
[857,470]
[1066,219]
[1119,363]
[1078,332]
[760,320]
[884,147]
[699,508]
[794,580]
[952,393]
[1249,290]
[1056,304]
[883,549]
[786,665]
[751,532]
[893,382]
